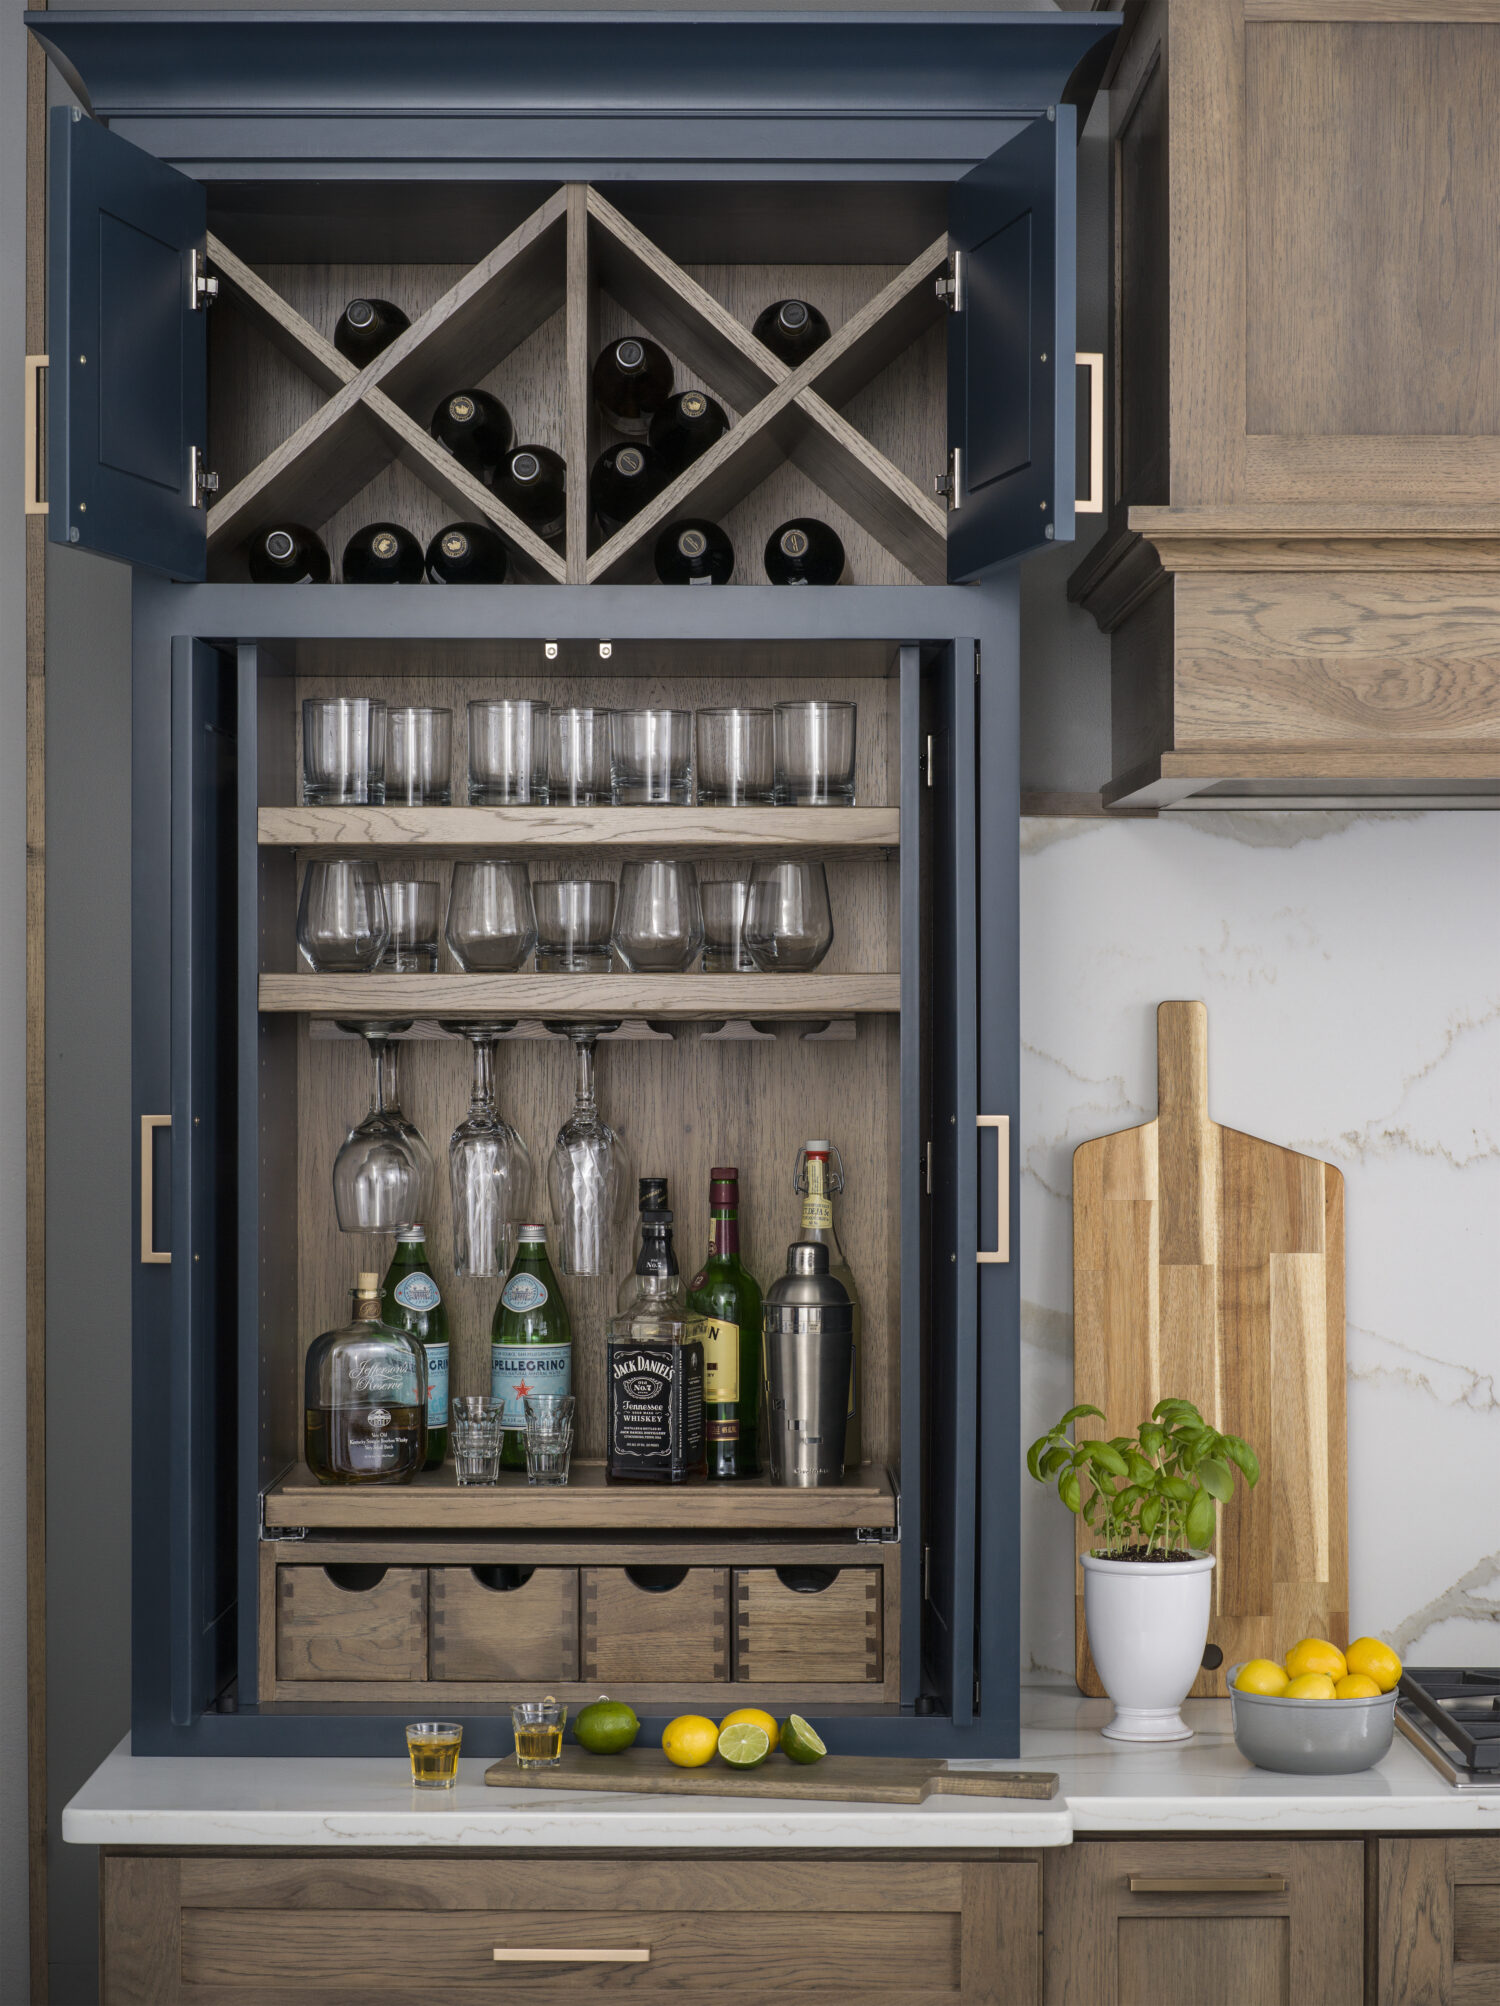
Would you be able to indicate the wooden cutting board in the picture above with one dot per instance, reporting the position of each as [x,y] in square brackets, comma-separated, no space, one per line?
[1209,1266]
[862,1779]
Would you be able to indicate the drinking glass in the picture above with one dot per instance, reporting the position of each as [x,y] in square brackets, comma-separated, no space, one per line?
[788,924]
[815,754]
[489,1167]
[574,918]
[658,918]
[433,1746]
[651,758]
[419,756]
[343,750]
[538,1726]
[411,906]
[507,752]
[342,921]
[586,1175]
[491,921]
[549,1437]
[724,892]
[476,1429]
[578,769]
[382,1175]
[735,767]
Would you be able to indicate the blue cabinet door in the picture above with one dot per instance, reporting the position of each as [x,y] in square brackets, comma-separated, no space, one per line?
[1012,226]
[128,385]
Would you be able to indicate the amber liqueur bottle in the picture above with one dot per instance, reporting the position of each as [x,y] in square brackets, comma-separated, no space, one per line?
[365,1398]
[366,328]
[654,1372]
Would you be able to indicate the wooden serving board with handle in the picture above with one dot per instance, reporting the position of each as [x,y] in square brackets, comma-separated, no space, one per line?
[1209,1266]
[849,1779]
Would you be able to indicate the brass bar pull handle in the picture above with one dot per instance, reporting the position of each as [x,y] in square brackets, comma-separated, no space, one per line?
[1001,1125]
[572,1956]
[151,1254]
[1208,1884]
[35,502]
[1093,502]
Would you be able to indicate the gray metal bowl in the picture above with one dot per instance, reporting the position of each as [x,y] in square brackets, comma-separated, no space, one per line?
[1311,1737]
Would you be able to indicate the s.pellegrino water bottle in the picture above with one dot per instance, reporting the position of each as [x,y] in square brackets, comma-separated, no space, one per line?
[531,1340]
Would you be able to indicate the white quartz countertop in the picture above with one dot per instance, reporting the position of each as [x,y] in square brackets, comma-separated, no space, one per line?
[1202,1785]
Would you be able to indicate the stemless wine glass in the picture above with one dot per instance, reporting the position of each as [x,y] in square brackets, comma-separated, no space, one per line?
[724,892]
[658,918]
[578,767]
[382,1176]
[412,906]
[815,754]
[343,750]
[574,919]
[651,758]
[342,922]
[734,758]
[489,1166]
[491,920]
[507,752]
[788,922]
[419,756]
[586,1176]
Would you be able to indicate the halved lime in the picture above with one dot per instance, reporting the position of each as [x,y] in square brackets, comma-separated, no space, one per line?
[743,1745]
[799,1742]
[606,1727]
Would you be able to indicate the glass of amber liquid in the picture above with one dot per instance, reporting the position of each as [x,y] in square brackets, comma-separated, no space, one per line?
[433,1746]
[539,1728]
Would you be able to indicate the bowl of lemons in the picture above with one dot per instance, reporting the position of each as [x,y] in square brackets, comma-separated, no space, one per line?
[1321,1711]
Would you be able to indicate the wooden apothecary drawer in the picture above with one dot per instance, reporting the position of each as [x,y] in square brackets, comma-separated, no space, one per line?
[798,1625]
[502,1623]
[351,1622]
[655,1625]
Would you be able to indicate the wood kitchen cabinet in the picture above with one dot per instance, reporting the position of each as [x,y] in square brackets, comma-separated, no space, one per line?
[1437,1942]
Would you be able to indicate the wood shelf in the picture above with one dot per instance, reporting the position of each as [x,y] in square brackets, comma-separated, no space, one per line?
[436,1503]
[684,832]
[582,996]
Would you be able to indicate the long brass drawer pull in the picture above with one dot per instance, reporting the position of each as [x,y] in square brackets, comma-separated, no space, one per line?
[35,500]
[151,1254]
[572,1957]
[1001,1125]
[1208,1884]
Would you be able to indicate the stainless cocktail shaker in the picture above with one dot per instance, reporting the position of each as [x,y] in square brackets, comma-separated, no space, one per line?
[808,1355]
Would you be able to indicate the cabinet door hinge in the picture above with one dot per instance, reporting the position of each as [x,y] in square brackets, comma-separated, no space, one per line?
[203,290]
[952,285]
[201,482]
[951,484]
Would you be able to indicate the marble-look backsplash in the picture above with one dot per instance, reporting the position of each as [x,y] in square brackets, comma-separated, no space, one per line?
[1351,968]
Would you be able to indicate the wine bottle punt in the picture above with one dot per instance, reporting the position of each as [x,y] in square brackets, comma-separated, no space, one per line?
[690,552]
[383,554]
[288,553]
[366,327]
[532,482]
[476,429]
[467,553]
[804,552]
[685,427]
[791,329]
[624,480]
[632,381]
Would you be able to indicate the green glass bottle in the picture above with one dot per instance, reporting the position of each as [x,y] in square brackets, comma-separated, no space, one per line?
[724,1306]
[413,1301]
[531,1340]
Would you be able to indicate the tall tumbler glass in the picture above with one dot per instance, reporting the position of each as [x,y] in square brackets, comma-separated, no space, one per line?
[578,768]
[491,921]
[724,893]
[507,752]
[651,758]
[574,918]
[658,918]
[342,922]
[419,756]
[815,754]
[343,751]
[735,762]
[788,921]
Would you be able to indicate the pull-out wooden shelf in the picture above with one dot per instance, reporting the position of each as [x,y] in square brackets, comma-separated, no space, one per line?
[582,996]
[683,832]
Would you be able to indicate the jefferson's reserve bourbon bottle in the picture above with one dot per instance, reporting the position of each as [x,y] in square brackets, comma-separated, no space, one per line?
[365,1404]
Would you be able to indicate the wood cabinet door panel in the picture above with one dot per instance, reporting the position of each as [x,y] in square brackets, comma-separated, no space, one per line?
[1437,1935]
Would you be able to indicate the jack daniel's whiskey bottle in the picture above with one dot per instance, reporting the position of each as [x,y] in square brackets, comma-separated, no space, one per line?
[655,1373]
[365,1406]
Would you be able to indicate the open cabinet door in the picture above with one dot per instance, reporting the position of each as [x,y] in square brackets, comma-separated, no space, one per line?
[1012,224]
[127,405]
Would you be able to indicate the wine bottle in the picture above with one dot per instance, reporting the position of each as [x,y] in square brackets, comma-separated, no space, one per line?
[724,1307]
[412,1301]
[476,429]
[685,427]
[632,380]
[817,1185]
[532,482]
[690,552]
[624,480]
[531,1340]
[652,1197]
[287,554]
[467,553]
[804,552]
[383,554]
[791,329]
[366,327]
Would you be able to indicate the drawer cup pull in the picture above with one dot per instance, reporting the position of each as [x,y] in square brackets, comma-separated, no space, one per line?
[1208,1884]
[572,1957]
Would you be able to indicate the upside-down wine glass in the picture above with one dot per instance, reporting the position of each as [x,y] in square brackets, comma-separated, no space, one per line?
[586,1173]
[382,1176]
[489,1166]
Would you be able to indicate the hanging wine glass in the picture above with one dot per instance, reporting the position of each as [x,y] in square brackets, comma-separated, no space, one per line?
[382,1176]
[586,1176]
[489,1166]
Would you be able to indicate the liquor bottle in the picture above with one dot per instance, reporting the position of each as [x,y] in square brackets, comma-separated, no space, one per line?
[725,1307]
[654,1371]
[531,1340]
[476,429]
[685,427]
[383,554]
[632,380]
[624,479]
[364,1407]
[287,554]
[652,1197]
[412,1301]
[467,553]
[804,552]
[366,327]
[532,482]
[818,1184]
[693,553]
[791,329]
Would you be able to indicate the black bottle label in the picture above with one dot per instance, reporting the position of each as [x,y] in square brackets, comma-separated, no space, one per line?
[655,1410]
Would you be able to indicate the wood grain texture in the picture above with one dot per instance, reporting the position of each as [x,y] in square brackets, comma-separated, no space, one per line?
[480,1631]
[620,994]
[681,832]
[326,1630]
[1208,1265]
[843,1779]
[783,1636]
[1188,1957]
[140,1911]
[677,1634]
[1437,1935]
[580,422]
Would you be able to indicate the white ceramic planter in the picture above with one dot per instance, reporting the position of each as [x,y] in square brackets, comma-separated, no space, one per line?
[1147,1623]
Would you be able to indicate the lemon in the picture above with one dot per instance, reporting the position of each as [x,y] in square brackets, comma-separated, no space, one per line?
[757,1717]
[1374,1660]
[1311,1686]
[1261,1675]
[1357,1686]
[1315,1654]
[799,1741]
[690,1740]
[743,1744]
[606,1726]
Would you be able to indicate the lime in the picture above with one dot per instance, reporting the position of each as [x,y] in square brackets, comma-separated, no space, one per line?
[744,1745]
[690,1740]
[606,1726]
[757,1717]
[799,1742]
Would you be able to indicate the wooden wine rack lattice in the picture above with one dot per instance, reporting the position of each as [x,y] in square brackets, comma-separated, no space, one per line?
[576,242]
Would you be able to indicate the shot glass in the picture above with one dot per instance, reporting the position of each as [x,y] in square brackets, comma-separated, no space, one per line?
[491,927]
[658,926]
[538,1726]
[788,921]
[651,758]
[574,921]
[578,761]
[412,907]
[724,893]
[433,1746]
[476,1430]
[815,754]
[507,752]
[734,758]
[343,751]
[549,1437]
[342,922]
[419,756]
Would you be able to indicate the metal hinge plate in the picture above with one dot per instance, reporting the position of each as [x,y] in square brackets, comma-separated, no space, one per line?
[203,288]
[951,484]
[952,285]
[201,482]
